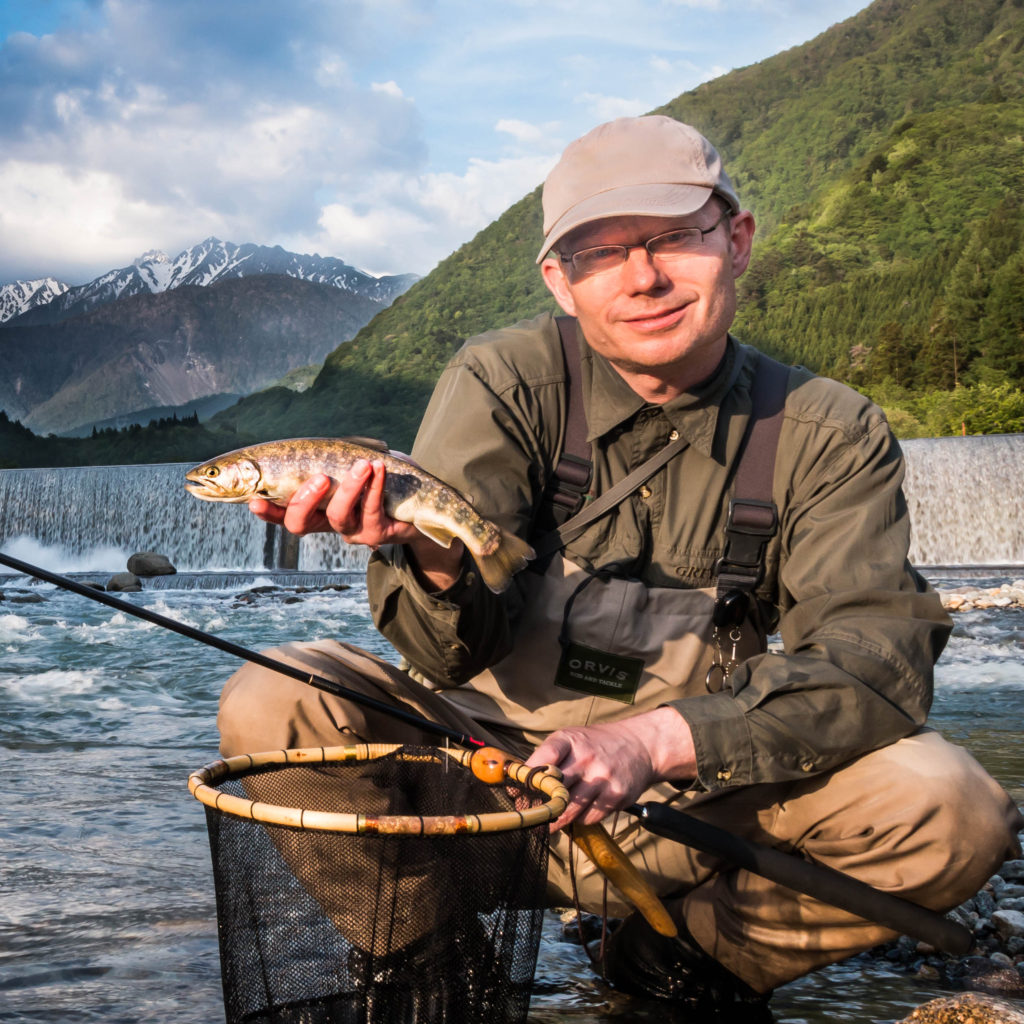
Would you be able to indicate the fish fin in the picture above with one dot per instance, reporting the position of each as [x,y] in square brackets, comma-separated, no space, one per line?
[437,532]
[498,568]
[367,442]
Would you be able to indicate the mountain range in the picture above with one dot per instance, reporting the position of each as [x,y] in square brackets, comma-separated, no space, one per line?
[164,332]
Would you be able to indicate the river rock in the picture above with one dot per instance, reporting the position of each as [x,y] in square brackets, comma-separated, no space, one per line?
[149,563]
[964,599]
[1008,922]
[124,583]
[966,1008]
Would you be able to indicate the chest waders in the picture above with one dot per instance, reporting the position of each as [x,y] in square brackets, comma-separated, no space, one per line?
[594,646]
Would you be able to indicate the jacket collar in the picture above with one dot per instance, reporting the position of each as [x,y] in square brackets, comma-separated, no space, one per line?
[610,400]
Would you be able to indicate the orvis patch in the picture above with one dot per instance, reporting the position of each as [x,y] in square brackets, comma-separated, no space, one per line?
[598,673]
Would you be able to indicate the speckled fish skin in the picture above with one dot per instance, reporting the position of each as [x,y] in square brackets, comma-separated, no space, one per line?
[276,469]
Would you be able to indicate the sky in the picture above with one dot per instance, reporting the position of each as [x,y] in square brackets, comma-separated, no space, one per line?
[383,132]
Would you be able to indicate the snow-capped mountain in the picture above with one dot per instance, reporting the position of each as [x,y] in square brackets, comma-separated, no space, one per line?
[204,264]
[20,296]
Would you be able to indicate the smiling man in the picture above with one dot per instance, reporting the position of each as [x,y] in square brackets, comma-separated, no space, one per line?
[687,497]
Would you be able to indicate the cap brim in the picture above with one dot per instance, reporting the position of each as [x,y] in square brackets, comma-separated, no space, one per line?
[630,201]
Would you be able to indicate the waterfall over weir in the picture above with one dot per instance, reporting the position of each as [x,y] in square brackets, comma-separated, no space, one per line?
[94,517]
[966,500]
[964,495]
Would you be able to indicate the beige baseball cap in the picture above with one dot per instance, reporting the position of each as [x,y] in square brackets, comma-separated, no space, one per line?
[650,166]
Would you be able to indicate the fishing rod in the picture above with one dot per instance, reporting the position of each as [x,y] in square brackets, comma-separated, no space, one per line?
[814,880]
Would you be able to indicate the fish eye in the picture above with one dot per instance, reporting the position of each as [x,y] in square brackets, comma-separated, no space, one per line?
[212,471]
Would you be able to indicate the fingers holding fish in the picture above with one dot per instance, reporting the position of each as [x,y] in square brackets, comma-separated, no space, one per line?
[357,509]
[304,512]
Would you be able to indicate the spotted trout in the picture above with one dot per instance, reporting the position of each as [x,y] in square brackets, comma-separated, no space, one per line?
[275,471]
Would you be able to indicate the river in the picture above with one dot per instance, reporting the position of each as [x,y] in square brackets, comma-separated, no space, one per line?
[106,893]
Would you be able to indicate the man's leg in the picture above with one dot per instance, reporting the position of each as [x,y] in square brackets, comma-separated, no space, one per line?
[919,819]
[261,709]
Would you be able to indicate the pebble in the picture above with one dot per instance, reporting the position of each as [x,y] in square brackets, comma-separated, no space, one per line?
[964,599]
[967,1008]
[995,962]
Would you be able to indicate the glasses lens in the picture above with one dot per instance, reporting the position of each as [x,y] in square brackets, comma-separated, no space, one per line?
[593,261]
[673,244]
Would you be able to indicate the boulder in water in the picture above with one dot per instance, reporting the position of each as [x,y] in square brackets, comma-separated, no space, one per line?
[149,563]
[968,1008]
[124,583]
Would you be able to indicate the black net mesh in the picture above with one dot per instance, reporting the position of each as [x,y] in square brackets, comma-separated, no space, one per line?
[319,926]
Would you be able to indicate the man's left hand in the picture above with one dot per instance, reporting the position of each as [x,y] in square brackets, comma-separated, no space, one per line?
[606,767]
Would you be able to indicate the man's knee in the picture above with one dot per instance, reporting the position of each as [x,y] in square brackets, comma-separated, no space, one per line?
[943,825]
[261,709]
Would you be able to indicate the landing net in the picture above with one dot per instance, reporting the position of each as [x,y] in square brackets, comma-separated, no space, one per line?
[375,884]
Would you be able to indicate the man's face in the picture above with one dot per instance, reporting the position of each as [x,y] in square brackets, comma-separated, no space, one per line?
[657,320]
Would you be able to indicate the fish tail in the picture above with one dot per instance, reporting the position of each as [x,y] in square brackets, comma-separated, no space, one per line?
[498,568]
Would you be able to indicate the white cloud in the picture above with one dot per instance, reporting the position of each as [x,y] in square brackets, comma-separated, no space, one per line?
[391,88]
[415,222]
[139,124]
[95,222]
[607,108]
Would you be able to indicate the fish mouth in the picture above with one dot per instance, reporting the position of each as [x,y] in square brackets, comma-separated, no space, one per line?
[211,492]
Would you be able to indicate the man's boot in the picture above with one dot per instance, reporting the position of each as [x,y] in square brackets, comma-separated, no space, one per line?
[643,963]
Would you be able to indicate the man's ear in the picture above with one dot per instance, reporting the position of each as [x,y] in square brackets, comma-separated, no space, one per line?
[741,239]
[558,284]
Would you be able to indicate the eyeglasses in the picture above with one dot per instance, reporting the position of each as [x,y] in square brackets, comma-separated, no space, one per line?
[672,245]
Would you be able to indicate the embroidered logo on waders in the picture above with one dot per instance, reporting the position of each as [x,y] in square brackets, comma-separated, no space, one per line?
[598,673]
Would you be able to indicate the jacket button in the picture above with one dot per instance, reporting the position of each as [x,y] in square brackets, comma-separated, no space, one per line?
[470,578]
[674,436]
[724,774]
[807,766]
[645,491]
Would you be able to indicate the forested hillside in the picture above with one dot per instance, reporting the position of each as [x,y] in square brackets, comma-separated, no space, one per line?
[884,162]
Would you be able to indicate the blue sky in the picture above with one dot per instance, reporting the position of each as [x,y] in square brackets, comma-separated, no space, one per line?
[384,132]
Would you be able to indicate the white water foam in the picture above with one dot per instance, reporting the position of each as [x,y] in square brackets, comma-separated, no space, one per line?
[59,558]
[44,686]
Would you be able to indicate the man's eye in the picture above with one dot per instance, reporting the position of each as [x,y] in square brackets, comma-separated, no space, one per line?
[605,252]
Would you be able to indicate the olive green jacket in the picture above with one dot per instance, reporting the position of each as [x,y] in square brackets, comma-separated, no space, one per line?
[861,630]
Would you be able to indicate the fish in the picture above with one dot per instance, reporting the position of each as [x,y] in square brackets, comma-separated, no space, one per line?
[275,470]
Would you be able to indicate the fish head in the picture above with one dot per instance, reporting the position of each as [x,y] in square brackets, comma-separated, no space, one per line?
[224,479]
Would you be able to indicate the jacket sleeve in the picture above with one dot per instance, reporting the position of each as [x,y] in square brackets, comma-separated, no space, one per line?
[480,442]
[861,630]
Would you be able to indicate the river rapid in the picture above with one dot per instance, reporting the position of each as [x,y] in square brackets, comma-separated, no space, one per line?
[106,893]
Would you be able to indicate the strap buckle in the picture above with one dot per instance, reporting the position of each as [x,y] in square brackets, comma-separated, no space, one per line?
[750,525]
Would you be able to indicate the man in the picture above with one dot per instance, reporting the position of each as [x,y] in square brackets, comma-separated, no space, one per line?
[621,658]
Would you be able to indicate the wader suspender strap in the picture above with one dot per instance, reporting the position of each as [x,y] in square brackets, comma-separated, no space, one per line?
[567,488]
[753,518]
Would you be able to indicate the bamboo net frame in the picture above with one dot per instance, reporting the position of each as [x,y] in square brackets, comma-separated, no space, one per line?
[545,781]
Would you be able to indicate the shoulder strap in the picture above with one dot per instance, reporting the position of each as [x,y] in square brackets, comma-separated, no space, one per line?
[567,488]
[571,529]
[753,518]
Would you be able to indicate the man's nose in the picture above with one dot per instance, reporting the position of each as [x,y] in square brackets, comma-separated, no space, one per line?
[641,269]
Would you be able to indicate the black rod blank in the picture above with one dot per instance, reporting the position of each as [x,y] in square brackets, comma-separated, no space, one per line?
[815,880]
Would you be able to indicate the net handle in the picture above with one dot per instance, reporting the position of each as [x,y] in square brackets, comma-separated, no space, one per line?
[546,781]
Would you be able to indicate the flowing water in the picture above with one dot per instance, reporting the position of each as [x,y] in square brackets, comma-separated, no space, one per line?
[106,893]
